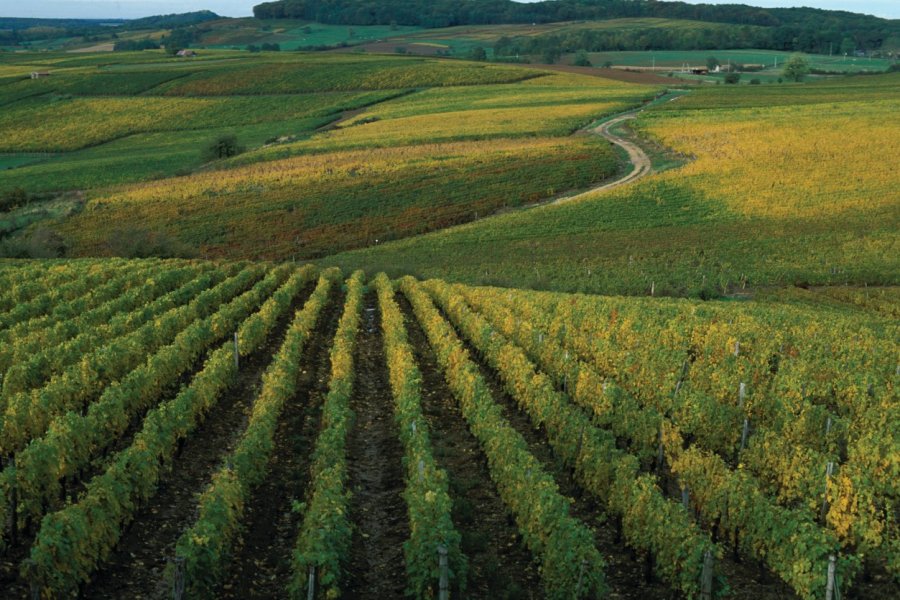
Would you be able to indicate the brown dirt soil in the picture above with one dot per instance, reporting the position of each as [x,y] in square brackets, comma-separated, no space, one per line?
[135,568]
[626,572]
[261,566]
[616,74]
[376,480]
[500,566]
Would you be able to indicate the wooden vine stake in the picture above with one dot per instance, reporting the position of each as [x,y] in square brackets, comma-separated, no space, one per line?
[311,584]
[706,577]
[829,470]
[444,566]
[237,359]
[829,586]
[742,394]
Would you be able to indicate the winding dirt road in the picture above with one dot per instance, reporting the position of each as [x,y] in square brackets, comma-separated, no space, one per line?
[637,156]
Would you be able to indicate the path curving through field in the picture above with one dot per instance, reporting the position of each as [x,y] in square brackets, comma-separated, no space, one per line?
[642,165]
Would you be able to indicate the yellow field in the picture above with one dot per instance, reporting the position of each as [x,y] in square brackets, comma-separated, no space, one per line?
[790,162]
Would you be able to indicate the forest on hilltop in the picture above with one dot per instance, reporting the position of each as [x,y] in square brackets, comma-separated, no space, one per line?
[804,29]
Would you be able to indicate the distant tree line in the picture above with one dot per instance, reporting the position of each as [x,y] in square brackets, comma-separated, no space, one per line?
[15,31]
[800,29]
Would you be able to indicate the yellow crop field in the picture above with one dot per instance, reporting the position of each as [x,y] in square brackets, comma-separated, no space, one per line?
[787,162]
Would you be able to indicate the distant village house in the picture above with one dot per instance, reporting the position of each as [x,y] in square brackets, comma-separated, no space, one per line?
[186,53]
[39,74]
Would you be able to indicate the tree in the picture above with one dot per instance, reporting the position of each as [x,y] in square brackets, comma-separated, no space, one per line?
[550,54]
[581,59]
[732,77]
[796,68]
[14,198]
[478,53]
[712,62]
[224,147]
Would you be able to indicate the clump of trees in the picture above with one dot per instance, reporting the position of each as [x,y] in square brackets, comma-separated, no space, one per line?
[224,146]
[135,45]
[582,59]
[478,53]
[12,199]
[266,47]
[796,68]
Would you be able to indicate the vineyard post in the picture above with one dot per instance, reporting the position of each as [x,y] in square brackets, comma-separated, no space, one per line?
[828,426]
[829,469]
[737,348]
[653,288]
[745,432]
[829,586]
[742,394]
[178,580]
[311,585]
[706,576]
[444,581]
[237,363]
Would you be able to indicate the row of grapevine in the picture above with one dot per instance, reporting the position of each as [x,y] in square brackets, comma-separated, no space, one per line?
[427,489]
[206,546]
[36,359]
[785,450]
[800,563]
[325,533]
[25,281]
[571,565]
[112,287]
[27,414]
[48,301]
[72,542]
[74,439]
[18,345]
[650,523]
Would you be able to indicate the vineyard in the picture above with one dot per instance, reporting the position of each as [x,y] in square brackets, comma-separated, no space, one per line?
[779,187]
[191,429]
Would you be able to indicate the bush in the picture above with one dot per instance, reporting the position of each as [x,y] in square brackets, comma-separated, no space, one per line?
[225,146]
[135,242]
[14,198]
[732,78]
[45,243]
[478,53]
[754,82]
[581,59]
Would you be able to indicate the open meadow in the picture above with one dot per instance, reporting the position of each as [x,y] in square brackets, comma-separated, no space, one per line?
[351,324]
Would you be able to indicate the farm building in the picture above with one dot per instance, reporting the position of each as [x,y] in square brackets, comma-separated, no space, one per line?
[39,74]
[186,53]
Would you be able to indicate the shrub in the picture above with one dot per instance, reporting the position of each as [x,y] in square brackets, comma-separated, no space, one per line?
[225,146]
[732,78]
[13,198]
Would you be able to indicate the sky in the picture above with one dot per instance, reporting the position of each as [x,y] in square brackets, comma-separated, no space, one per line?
[129,9]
